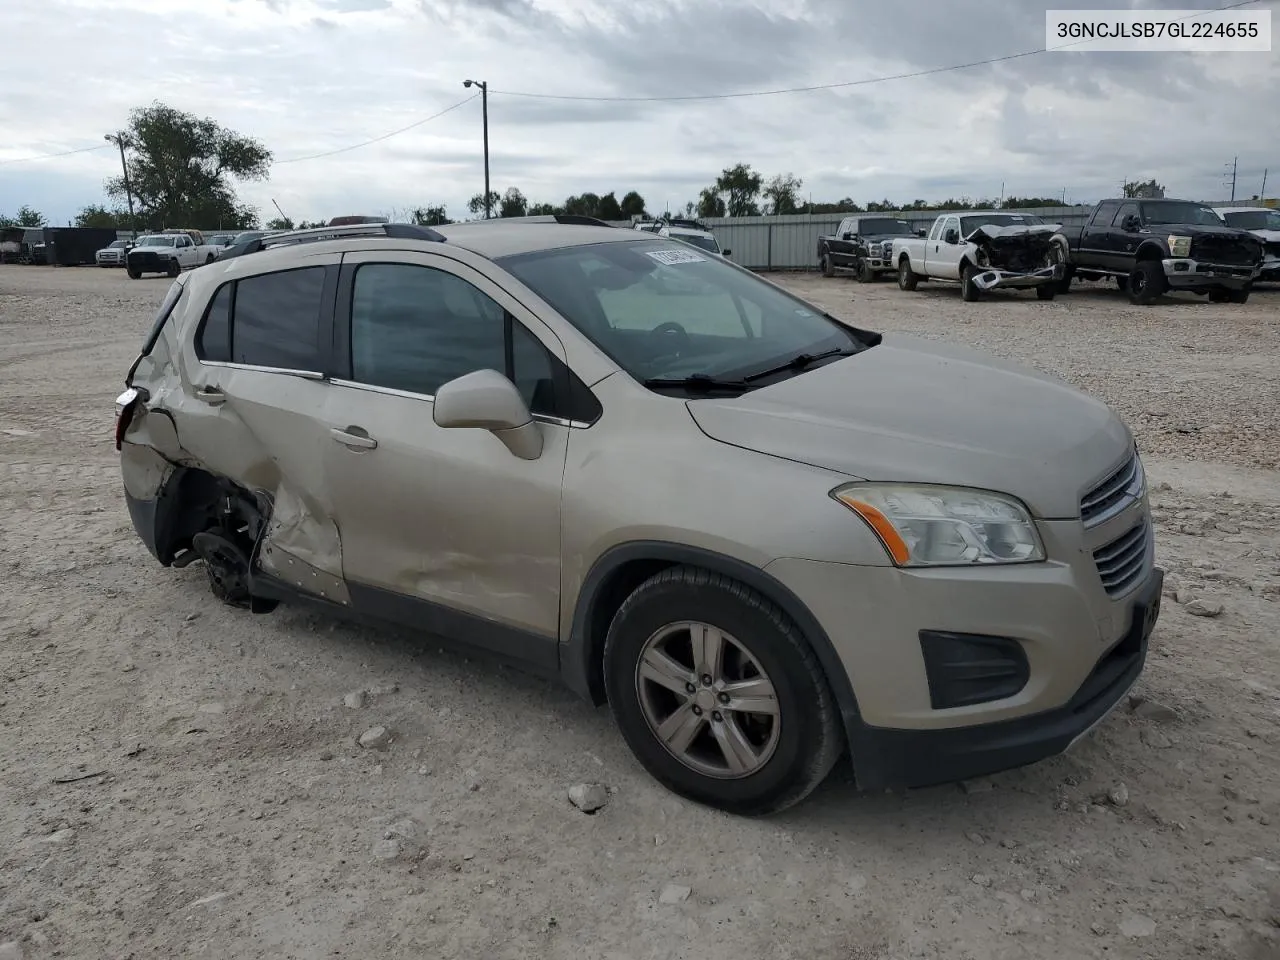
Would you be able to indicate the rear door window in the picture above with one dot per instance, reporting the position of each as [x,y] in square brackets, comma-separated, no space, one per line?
[276,320]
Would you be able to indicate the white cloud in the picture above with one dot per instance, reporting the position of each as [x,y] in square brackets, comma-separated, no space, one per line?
[308,76]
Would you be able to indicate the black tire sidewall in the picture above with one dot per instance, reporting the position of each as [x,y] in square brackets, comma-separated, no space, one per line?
[800,733]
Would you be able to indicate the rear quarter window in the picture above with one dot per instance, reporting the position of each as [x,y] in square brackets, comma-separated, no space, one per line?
[275,319]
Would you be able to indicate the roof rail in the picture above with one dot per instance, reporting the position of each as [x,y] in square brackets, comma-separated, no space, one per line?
[395,231]
[565,218]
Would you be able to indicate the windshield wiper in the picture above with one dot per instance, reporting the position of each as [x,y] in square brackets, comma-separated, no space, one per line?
[800,361]
[698,381]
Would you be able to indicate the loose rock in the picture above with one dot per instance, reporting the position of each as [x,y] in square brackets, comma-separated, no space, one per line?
[1152,710]
[355,699]
[1155,740]
[1118,795]
[674,893]
[977,786]
[388,848]
[59,836]
[375,738]
[1098,929]
[981,879]
[11,950]
[1136,925]
[1204,608]
[588,797]
[976,837]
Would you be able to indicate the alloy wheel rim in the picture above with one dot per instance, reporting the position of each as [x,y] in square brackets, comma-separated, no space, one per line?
[707,700]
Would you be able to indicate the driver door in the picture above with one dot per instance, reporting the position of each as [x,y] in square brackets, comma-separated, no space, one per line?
[944,258]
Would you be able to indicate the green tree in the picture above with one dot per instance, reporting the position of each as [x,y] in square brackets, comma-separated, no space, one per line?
[583,205]
[28,216]
[181,169]
[96,215]
[1144,189]
[782,194]
[632,205]
[608,208]
[476,204]
[710,203]
[431,216]
[279,223]
[513,204]
[543,210]
[742,185]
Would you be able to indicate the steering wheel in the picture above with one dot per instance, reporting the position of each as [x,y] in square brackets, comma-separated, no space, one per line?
[672,335]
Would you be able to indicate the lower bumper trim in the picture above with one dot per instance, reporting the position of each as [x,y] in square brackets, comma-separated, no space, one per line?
[898,758]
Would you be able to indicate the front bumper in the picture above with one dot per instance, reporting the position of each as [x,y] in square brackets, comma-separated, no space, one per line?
[1183,273]
[993,279]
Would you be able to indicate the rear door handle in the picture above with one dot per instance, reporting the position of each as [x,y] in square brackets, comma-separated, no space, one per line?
[357,441]
[211,395]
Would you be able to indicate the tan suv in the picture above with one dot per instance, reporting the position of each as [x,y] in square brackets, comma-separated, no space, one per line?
[765,537]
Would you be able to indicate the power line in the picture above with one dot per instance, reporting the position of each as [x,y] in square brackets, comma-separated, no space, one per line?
[385,136]
[832,86]
[51,156]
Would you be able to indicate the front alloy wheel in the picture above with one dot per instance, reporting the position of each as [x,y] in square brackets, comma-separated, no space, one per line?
[707,700]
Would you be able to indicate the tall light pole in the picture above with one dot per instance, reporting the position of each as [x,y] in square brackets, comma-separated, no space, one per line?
[484,108]
[119,140]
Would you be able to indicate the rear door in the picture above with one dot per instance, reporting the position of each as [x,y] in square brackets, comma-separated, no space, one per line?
[1122,244]
[1095,239]
[444,527]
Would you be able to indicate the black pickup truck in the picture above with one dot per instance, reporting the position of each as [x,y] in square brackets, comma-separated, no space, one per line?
[863,244]
[1153,246]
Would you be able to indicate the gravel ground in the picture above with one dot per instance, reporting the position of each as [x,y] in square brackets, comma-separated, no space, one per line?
[223,806]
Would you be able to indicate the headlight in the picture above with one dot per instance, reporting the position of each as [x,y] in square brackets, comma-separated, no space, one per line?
[930,526]
[1179,246]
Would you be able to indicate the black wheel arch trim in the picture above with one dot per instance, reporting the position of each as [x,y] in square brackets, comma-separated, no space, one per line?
[581,654]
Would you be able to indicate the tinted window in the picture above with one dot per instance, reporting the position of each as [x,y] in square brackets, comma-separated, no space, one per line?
[1106,211]
[277,319]
[884,225]
[1179,211]
[1254,219]
[416,328]
[214,341]
[1126,210]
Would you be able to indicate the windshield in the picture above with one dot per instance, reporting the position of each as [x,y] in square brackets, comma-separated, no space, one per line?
[247,236]
[1253,219]
[870,228]
[704,243]
[117,244]
[970,224]
[667,311]
[1179,211]
[156,242]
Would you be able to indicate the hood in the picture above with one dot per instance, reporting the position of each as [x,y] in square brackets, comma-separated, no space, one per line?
[1195,230]
[918,411]
[877,237]
[1017,246]
[1268,236]
[998,235]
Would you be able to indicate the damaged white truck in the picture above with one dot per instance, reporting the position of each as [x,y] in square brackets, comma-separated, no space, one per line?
[984,250]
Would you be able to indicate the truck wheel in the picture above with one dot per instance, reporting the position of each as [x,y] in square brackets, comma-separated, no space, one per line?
[208,260]
[133,274]
[827,269]
[174,268]
[1239,296]
[1064,285]
[1219,295]
[865,273]
[968,289]
[1146,282]
[1046,291]
[907,278]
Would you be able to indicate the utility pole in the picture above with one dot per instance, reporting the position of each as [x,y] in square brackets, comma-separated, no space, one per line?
[484,108]
[1234,161]
[119,139]
[1262,194]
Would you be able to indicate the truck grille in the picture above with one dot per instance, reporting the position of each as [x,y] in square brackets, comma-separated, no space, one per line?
[1114,493]
[1121,562]
[145,261]
[1228,250]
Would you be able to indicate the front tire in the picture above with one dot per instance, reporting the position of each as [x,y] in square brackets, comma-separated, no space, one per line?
[907,278]
[968,289]
[828,269]
[1239,296]
[865,273]
[1147,282]
[173,269]
[1046,291]
[718,695]
[133,274]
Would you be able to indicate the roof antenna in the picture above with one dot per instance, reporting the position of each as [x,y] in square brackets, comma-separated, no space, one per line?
[281,212]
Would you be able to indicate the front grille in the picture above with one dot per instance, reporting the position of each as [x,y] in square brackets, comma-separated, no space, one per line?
[1113,494]
[1228,250]
[144,261]
[1121,562]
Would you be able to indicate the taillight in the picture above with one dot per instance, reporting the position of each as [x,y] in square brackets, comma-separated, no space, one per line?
[126,405]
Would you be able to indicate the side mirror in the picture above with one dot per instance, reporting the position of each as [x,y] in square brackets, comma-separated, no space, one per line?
[727,253]
[951,236]
[1131,224]
[922,233]
[489,401]
[846,235]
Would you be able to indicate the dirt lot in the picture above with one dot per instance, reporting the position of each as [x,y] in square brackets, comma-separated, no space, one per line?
[230,812]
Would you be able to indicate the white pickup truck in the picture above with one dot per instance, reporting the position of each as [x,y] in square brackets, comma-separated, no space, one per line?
[984,250]
[169,253]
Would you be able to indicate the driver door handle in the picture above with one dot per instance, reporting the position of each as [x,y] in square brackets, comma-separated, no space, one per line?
[357,441]
[211,395]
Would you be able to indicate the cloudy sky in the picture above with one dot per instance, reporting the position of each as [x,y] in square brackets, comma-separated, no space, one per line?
[311,76]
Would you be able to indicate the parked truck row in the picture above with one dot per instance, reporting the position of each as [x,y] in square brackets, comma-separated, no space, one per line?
[1149,247]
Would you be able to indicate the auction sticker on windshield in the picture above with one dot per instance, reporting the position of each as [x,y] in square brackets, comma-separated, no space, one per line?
[670,257]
